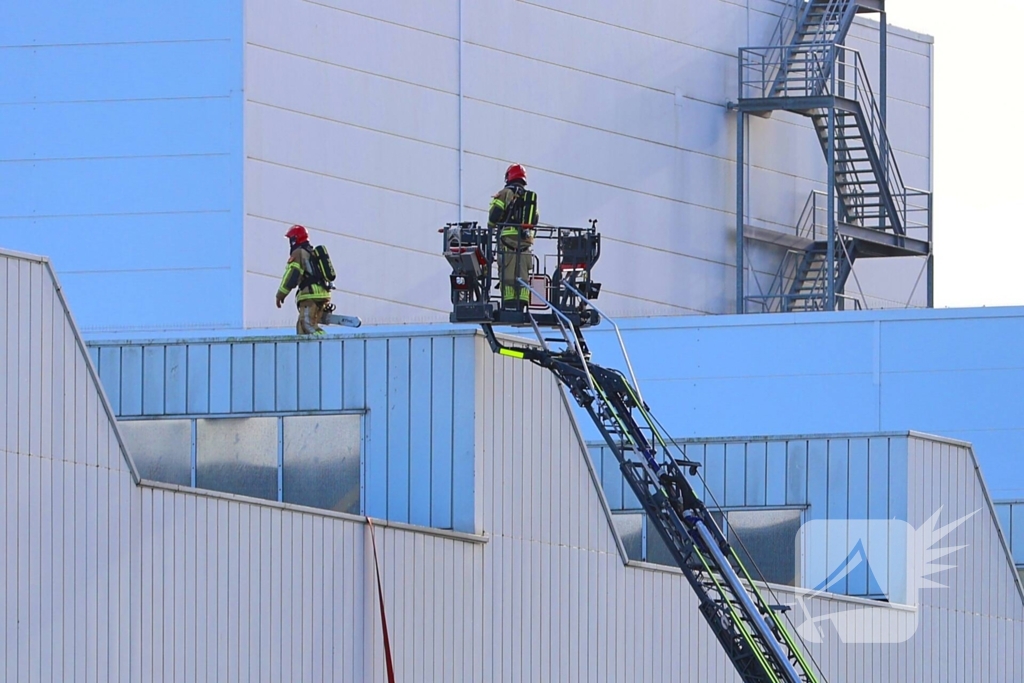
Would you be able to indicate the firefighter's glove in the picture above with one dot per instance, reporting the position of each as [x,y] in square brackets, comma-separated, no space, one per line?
[280,299]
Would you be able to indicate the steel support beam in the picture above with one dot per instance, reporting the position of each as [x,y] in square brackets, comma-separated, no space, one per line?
[883,33]
[741,120]
[830,294]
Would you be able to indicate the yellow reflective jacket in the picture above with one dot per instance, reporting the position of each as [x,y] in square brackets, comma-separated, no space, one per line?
[299,271]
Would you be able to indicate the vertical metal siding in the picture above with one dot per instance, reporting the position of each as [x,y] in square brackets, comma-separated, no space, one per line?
[418,392]
[143,583]
[63,472]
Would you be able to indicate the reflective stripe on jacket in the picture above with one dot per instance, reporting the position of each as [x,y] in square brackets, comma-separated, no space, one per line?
[513,204]
[299,265]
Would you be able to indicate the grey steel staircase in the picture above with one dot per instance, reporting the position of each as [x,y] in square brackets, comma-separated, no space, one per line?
[870,211]
[821,22]
[807,291]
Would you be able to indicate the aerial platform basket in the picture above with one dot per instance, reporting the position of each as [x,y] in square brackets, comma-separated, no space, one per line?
[560,271]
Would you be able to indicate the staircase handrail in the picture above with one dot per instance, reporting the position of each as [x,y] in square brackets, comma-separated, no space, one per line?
[787,23]
[831,8]
[919,202]
[807,224]
[879,137]
[760,64]
[786,27]
[774,300]
[834,70]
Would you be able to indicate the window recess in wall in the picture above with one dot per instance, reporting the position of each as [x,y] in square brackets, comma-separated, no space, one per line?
[769,534]
[313,460]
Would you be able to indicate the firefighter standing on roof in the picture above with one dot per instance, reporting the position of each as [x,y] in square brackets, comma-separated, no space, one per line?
[514,208]
[313,295]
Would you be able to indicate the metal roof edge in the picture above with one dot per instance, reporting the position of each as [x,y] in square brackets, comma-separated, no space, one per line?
[782,437]
[84,351]
[320,512]
[263,336]
[25,256]
[995,518]
[655,323]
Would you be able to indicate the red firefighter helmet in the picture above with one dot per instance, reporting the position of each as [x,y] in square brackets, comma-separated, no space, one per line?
[297,234]
[515,172]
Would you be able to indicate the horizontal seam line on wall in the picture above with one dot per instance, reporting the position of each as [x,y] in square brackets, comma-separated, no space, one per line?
[350,124]
[111,100]
[473,207]
[686,150]
[665,250]
[167,269]
[118,157]
[951,371]
[612,185]
[747,377]
[380,19]
[347,235]
[353,69]
[365,296]
[484,47]
[652,301]
[348,180]
[114,43]
[719,105]
[628,29]
[541,7]
[114,214]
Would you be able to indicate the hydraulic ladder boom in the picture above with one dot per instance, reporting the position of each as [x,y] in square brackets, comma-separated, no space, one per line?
[748,627]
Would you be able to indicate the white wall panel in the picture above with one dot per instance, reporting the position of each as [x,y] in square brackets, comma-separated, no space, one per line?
[618,113]
[537,33]
[908,58]
[348,152]
[336,36]
[554,91]
[344,95]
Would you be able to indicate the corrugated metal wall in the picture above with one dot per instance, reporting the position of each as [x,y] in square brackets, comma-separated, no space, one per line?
[983,589]
[68,497]
[830,475]
[417,391]
[557,603]
[1011,520]
[838,477]
[113,581]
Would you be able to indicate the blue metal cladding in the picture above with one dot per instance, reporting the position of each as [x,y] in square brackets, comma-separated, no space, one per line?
[127,167]
[418,392]
[833,477]
[954,373]
[1011,518]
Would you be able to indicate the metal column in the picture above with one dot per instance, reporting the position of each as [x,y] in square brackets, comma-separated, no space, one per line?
[741,119]
[883,33]
[830,295]
[882,72]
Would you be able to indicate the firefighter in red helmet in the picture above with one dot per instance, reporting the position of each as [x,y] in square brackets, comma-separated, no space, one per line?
[312,296]
[514,208]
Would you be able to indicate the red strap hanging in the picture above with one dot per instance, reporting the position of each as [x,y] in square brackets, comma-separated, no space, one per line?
[383,615]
